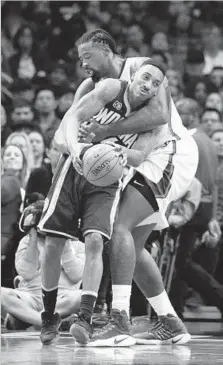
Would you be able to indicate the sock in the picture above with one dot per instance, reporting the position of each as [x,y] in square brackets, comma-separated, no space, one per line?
[161,304]
[121,297]
[49,301]
[88,300]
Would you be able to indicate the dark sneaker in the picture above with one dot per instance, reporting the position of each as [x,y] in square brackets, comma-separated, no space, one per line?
[50,329]
[100,316]
[81,330]
[12,323]
[115,334]
[168,329]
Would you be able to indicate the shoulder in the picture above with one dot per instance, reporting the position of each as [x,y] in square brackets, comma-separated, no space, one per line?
[108,88]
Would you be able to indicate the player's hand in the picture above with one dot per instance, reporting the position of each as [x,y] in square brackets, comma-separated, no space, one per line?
[92,126]
[209,240]
[76,156]
[214,228]
[119,152]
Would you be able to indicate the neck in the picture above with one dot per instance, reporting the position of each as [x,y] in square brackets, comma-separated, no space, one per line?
[38,161]
[115,67]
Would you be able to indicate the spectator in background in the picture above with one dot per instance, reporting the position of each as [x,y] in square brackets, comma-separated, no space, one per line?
[12,181]
[28,59]
[211,120]
[175,83]
[65,101]
[160,58]
[94,18]
[5,128]
[136,46]
[23,89]
[216,76]
[22,141]
[38,148]
[159,42]
[217,138]
[194,65]
[22,116]
[45,105]
[199,90]
[59,77]
[211,38]
[125,11]
[214,101]
[24,304]
[41,178]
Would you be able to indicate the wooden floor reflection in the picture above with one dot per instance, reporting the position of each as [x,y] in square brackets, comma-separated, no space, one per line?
[25,348]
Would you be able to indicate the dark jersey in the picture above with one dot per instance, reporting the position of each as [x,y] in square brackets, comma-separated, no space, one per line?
[114,112]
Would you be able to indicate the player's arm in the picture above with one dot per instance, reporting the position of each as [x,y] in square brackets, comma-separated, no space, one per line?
[90,104]
[154,114]
[67,133]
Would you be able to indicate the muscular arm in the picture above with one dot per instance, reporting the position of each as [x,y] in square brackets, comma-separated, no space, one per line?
[155,113]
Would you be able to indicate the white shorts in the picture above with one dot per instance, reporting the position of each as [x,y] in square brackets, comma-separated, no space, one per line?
[169,171]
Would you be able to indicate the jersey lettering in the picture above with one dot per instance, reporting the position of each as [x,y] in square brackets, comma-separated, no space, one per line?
[106,117]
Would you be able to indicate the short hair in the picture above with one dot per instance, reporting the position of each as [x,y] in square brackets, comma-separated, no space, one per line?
[192,104]
[98,36]
[212,110]
[20,103]
[20,84]
[45,88]
[161,54]
[216,131]
[155,64]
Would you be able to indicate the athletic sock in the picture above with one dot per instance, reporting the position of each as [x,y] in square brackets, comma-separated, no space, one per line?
[49,301]
[162,305]
[88,300]
[121,297]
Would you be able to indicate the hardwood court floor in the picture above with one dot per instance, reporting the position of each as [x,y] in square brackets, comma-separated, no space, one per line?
[205,348]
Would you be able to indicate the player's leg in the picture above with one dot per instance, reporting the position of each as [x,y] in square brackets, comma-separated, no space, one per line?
[59,221]
[117,332]
[21,305]
[99,206]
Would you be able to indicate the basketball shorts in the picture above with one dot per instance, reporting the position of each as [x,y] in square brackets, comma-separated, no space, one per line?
[73,203]
[168,171]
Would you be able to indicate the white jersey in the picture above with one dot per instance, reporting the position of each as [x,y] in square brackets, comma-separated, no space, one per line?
[173,130]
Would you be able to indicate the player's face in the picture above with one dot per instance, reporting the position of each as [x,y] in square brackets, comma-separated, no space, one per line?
[146,82]
[93,59]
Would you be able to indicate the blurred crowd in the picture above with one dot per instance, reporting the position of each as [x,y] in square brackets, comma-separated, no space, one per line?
[40,74]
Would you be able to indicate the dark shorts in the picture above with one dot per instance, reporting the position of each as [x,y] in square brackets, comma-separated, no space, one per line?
[72,202]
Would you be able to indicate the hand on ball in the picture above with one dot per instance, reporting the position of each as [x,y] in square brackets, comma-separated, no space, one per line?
[119,152]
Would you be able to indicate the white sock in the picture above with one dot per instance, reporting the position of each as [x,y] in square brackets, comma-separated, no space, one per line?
[161,304]
[121,297]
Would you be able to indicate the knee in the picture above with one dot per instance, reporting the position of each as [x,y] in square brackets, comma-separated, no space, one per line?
[7,295]
[120,233]
[94,243]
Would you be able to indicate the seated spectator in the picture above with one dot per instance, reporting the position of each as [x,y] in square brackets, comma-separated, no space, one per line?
[214,101]
[28,59]
[59,77]
[45,105]
[211,38]
[38,148]
[217,138]
[174,77]
[199,90]
[135,43]
[24,304]
[40,178]
[159,42]
[5,128]
[216,76]
[23,89]
[211,120]
[194,65]
[126,13]
[65,101]
[22,141]
[183,209]
[22,116]
[160,58]
[12,183]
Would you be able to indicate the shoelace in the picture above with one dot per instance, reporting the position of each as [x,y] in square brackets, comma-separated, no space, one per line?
[161,329]
[48,326]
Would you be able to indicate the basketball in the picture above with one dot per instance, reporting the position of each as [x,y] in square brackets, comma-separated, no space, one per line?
[101,165]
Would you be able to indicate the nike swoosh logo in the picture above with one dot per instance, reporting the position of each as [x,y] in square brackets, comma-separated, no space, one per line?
[136,182]
[175,341]
[116,341]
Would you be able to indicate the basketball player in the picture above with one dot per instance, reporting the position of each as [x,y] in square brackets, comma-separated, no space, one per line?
[106,62]
[141,196]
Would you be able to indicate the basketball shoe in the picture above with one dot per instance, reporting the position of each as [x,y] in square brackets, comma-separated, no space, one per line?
[168,330]
[50,328]
[115,334]
[81,330]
